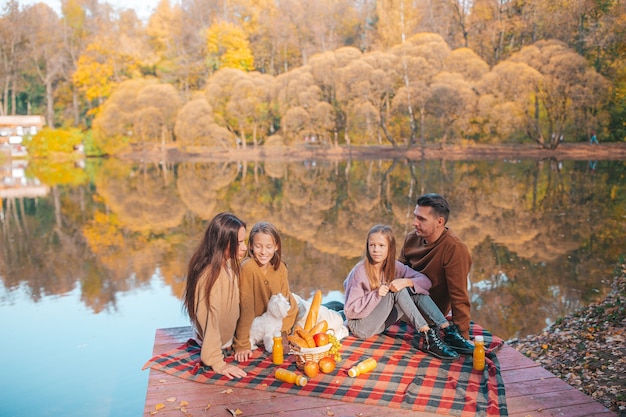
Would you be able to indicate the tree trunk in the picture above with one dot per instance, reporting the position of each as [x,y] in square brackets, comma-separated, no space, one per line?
[14,101]
[383,127]
[75,107]
[49,104]
[409,105]
[4,106]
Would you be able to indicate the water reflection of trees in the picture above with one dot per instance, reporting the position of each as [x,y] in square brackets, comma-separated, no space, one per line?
[542,234]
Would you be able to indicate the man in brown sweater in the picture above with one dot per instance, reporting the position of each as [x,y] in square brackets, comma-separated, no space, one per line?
[434,250]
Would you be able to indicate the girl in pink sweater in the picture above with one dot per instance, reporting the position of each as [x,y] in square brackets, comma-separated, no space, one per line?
[380,291]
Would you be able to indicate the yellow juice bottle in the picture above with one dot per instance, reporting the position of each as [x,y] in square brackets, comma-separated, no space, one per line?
[286,375]
[278,355]
[479,353]
[362,367]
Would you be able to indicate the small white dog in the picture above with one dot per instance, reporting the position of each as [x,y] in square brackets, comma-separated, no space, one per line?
[270,322]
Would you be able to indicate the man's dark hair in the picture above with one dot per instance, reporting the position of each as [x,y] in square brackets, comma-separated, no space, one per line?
[438,204]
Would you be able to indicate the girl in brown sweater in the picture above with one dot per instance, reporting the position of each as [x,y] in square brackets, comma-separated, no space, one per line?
[263,274]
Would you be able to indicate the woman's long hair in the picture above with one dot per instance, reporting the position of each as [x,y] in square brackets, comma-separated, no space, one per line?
[389,264]
[219,244]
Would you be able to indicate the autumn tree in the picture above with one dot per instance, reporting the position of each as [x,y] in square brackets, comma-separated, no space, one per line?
[419,60]
[329,74]
[195,127]
[12,38]
[77,28]
[568,91]
[93,78]
[45,52]
[397,20]
[367,87]
[250,106]
[175,35]
[228,47]
[506,99]
[158,105]
[298,101]
[452,104]
[139,112]
[492,26]
[233,110]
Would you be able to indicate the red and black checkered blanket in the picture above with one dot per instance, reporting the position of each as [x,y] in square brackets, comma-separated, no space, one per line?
[404,378]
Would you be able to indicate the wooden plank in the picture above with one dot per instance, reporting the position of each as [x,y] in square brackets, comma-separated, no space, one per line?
[530,390]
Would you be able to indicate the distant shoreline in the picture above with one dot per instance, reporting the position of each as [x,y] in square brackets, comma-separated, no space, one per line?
[565,151]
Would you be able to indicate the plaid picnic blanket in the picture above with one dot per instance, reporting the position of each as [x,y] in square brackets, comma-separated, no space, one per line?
[404,377]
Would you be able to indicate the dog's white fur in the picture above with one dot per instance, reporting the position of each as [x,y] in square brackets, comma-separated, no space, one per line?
[267,324]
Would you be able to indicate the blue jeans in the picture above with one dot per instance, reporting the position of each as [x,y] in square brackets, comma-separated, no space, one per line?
[401,305]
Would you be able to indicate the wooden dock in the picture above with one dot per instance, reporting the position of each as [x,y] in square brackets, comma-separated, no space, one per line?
[531,391]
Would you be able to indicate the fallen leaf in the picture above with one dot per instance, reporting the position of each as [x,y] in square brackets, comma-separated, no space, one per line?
[159,406]
[162,381]
[207,407]
[235,413]
[171,399]
[227,391]
[184,403]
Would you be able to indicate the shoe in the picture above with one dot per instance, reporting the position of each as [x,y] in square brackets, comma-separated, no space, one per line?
[432,344]
[456,341]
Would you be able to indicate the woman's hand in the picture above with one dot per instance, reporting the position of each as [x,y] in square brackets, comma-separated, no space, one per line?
[383,290]
[243,355]
[399,284]
[231,371]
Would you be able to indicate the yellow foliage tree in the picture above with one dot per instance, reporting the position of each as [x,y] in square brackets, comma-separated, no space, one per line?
[228,47]
[101,68]
[93,77]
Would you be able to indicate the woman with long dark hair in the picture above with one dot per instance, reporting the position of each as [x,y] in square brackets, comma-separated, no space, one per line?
[212,290]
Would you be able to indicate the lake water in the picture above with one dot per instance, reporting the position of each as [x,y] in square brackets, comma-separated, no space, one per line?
[93,255]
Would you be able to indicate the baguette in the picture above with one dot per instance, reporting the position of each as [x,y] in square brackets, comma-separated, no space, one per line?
[320,327]
[307,337]
[298,341]
[311,318]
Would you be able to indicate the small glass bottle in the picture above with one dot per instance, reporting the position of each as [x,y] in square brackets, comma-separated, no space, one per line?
[362,367]
[278,355]
[286,375]
[479,353]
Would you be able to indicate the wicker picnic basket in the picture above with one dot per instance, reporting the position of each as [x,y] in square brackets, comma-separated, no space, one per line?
[304,355]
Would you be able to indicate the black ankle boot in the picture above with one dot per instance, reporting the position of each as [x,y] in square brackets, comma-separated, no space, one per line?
[431,343]
[456,341]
